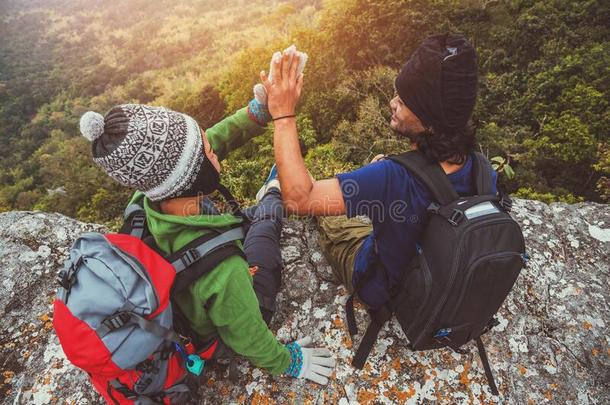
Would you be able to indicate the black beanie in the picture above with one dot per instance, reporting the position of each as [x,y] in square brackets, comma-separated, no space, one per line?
[439,81]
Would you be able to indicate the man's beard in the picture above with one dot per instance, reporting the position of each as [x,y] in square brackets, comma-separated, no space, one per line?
[406,132]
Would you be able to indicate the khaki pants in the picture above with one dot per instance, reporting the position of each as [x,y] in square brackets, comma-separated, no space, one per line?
[340,239]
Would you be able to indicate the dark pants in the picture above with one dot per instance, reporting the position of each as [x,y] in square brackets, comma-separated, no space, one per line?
[262,249]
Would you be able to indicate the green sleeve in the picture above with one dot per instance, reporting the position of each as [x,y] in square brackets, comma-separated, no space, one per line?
[235,312]
[232,132]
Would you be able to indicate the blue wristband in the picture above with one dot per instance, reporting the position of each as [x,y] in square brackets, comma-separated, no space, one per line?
[296,359]
[259,113]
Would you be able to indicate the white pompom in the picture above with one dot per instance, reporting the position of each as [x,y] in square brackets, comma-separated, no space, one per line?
[92,125]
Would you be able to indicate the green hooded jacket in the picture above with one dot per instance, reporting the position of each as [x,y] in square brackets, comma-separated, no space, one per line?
[223,301]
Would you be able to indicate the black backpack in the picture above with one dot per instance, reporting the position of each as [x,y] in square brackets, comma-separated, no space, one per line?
[470,254]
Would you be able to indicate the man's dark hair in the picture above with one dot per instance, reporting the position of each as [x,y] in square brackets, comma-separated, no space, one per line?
[452,145]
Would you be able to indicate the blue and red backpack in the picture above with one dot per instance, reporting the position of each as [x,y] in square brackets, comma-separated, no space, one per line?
[115,318]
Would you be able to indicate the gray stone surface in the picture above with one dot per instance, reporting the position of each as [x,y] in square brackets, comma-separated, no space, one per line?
[552,345]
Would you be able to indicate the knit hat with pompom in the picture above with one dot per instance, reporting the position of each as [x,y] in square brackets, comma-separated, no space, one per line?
[153,149]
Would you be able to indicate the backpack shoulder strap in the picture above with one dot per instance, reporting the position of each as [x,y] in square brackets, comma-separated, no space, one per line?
[134,218]
[203,254]
[429,173]
[481,170]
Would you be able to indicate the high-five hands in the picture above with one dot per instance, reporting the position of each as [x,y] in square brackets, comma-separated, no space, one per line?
[260,94]
[284,82]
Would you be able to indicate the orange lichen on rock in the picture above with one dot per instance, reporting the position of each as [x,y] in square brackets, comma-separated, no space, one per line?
[8,376]
[338,322]
[210,382]
[464,374]
[367,397]
[587,325]
[522,369]
[383,377]
[396,365]
[347,341]
[261,399]
[548,395]
[595,352]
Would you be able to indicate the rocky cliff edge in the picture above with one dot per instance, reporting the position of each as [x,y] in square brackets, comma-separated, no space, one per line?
[552,344]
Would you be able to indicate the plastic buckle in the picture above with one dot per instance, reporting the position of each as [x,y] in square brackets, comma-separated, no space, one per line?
[190,256]
[506,203]
[116,321]
[65,278]
[433,208]
[456,217]
[138,220]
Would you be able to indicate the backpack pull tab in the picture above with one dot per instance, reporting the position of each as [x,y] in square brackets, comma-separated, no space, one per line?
[194,364]
[442,335]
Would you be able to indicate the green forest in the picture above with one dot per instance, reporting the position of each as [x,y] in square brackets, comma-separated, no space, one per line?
[542,105]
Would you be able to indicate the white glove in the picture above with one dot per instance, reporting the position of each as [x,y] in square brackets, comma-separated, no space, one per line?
[260,94]
[317,362]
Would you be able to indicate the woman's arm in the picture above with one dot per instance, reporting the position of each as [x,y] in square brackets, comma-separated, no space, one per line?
[233,132]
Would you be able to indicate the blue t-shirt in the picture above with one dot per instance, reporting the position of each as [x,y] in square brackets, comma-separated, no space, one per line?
[396,203]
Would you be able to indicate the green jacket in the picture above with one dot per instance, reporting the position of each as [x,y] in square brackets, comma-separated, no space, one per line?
[223,301]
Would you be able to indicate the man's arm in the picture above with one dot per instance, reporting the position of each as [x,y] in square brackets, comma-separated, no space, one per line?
[301,194]
[233,132]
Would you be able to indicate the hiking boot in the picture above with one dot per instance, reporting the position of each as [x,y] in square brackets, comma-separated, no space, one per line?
[271,182]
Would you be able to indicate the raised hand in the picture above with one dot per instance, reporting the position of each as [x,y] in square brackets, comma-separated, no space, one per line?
[284,87]
[259,90]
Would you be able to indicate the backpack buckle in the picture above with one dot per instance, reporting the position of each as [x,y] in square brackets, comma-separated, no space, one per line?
[66,277]
[116,321]
[456,217]
[506,202]
[189,257]
[138,220]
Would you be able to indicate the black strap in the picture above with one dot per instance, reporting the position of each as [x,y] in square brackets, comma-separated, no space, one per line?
[481,171]
[485,361]
[378,319]
[231,200]
[429,173]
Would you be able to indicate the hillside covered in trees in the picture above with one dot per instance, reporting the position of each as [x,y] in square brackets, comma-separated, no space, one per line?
[543,96]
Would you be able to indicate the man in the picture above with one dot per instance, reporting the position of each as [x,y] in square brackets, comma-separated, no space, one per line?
[436,93]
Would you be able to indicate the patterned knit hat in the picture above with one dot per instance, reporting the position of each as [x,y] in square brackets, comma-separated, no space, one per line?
[153,149]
